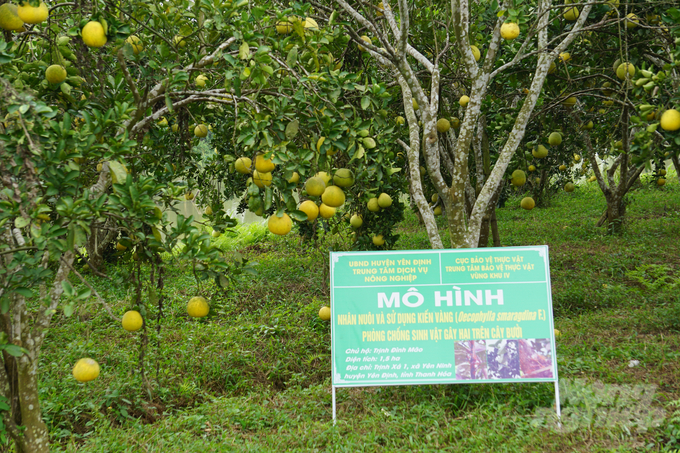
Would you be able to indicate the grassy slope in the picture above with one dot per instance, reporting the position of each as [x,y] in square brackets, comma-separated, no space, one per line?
[255,376]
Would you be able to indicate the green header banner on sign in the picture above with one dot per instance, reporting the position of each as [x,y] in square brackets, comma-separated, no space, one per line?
[442,316]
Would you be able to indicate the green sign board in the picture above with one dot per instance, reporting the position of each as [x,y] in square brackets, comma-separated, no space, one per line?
[442,316]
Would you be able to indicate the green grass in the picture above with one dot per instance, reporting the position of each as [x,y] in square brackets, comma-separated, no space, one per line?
[255,374]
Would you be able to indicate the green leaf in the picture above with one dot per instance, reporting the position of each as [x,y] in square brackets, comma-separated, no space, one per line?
[298,215]
[68,288]
[244,51]
[69,310]
[84,293]
[13,350]
[365,102]
[24,292]
[292,129]
[291,59]
[21,222]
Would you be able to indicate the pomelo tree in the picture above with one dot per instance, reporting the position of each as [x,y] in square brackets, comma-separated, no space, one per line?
[437,64]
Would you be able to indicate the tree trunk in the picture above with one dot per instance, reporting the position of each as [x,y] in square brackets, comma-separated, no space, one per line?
[676,164]
[616,210]
[35,437]
[494,230]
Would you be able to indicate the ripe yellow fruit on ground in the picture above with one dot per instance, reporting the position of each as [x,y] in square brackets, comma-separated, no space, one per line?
[670,120]
[310,208]
[132,321]
[243,165]
[33,14]
[86,370]
[326,211]
[343,177]
[93,34]
[356,221]
[279,225]
[569,187]
[571,14]
[333,196]
[264,165]
[555,139]
[476,53]
[527,203]
[262,179]
[509,31]
[325,313]
[198,307]
[136,44]
[384,200]
[443,125]
[378,240]
[55,74]
[464,100]
[201,131]
[519,178]
[9,19]
[315,186]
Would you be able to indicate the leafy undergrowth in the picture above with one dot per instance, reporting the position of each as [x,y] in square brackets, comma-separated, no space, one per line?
[255,374]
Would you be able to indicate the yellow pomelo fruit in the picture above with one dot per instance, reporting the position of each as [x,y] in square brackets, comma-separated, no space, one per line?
[509,31]
[434,197]
[264,165]
[136,44]
[540,152]
[243,164]
[571,14]
[565,56]
[592,178]
[475,51]
[310,208]
[33,14]
[189,196]
[100,166]
[209,210]
[660,182]
[120,247]
[343,177]
[262,179]
[326,211]
[279,225]
[324,176]
[464,100]
[588,126]
[527,203]
[455,123]
[315,186]
[86,370]
[180,41]
[198,307]
[163,122]
[555,139]
[670,120]
[325,313]
[200,81]
[569,187]
[93,34]
[384,200]
[625,71]
[175,127]
[284,27]
[443,125]
[381,9]
[216,234]
[532,168]
[373,205]
[378,240]
[132,321]
[333,196]
[552,68]
[201,131]
[356,221]
[519,178]
[577,158]
[662,172]
[9,19]
[562,167]
[414,103]
[632,20]
[400,120]
[569,102]
[55,74]
[294,178]
[438,211]
[366,39]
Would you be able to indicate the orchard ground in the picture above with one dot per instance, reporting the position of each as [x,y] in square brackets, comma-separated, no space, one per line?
[255,374]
